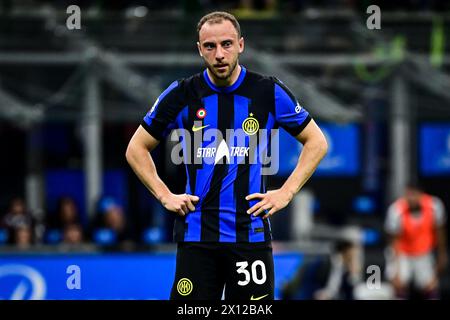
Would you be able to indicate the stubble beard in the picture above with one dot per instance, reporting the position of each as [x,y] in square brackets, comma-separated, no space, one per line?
[222,76]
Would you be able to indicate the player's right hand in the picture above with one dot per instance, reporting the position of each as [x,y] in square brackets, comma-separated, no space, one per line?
[182,204]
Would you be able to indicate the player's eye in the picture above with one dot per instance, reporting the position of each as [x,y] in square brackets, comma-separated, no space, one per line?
[208,46]
[227,44]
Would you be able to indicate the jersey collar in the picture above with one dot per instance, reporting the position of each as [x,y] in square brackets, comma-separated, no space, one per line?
[231,88]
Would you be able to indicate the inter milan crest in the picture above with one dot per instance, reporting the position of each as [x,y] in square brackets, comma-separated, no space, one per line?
[250,125]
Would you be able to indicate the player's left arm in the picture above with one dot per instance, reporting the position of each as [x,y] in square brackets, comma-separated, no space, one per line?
[314,149]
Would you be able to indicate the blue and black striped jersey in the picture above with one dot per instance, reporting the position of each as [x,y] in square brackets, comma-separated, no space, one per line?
[225,134]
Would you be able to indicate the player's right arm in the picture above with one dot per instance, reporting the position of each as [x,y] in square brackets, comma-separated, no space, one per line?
[155,126]
[139,158]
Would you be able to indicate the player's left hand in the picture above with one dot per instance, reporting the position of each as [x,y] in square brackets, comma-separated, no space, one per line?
[271,202]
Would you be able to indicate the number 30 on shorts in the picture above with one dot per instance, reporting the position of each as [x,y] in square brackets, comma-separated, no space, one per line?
[257,277]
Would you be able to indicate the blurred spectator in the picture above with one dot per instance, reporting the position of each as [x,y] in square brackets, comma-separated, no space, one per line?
[17,217]
[73,234]
[256,8]
[343,273]
[66,215]
[258,4]
[415,224]
[23,237]
[111,226]
[327,277]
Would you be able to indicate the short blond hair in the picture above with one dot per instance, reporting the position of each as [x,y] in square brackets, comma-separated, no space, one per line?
[218,17]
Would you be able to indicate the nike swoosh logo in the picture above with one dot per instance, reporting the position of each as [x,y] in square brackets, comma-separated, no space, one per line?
[258,298]
[194,128]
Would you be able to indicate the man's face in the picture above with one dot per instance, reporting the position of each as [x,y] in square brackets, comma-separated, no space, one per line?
[413,197]
[115,219]
[220,47]
[18,206]
[73,235]
[68,211]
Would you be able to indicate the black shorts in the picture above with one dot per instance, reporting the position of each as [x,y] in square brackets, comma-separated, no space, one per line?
[239,271]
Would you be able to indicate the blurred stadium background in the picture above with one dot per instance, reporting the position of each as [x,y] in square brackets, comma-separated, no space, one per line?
[71,99]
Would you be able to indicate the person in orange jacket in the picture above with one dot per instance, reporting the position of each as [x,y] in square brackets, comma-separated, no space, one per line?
[415,224]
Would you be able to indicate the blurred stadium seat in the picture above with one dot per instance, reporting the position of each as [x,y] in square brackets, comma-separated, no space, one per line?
[105,237]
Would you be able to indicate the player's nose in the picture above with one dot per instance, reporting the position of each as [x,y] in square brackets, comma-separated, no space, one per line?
[219,54]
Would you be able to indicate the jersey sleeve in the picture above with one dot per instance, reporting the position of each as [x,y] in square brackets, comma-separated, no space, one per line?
[161,118]
[289,114]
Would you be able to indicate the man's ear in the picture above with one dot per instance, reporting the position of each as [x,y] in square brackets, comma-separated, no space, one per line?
[241,45]
[199,51]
